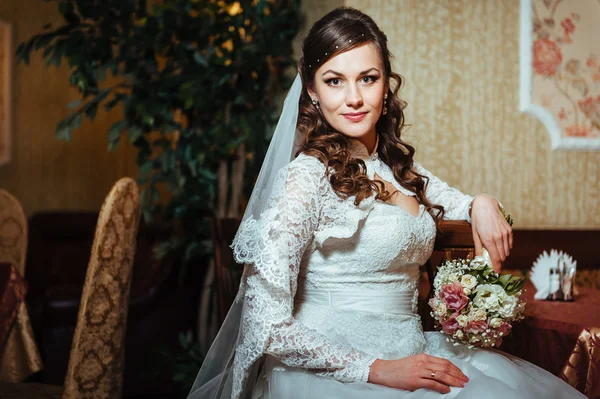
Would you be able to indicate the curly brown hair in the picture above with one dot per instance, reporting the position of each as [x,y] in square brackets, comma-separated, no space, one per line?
[341,30]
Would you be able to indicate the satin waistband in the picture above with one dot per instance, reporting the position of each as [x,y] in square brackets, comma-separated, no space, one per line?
[394,302]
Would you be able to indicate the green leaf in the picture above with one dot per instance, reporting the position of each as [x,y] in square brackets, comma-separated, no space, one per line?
[134,133]
[74,104]
[148,120]
[63,131]
[115,130]
[200,60]
[208,174]
[76,122]
[503,280]
[146,168]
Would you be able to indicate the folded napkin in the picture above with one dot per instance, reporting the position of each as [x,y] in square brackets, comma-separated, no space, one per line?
[561,263]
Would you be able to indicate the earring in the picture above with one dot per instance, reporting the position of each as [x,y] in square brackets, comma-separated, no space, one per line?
[315,102]
[385,105]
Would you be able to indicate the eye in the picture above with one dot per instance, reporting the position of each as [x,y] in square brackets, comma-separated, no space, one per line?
[333,82]
[369,79]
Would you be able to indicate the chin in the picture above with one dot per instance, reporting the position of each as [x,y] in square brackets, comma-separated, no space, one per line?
[355,130]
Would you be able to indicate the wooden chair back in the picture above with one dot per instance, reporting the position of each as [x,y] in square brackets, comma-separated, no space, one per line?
[455,240]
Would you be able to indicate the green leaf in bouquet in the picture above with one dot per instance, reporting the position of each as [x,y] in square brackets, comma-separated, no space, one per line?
[507,217]
[503,280]
[515,284]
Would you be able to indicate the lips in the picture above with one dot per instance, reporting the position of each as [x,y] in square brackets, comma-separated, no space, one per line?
[355,116]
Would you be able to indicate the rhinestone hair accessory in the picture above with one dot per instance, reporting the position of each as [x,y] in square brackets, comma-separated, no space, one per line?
[327,53]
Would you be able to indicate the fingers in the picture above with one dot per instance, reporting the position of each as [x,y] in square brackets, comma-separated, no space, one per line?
[444,378]
[477,242]
[506,243]
[434,386]
[494,256]
[446,366]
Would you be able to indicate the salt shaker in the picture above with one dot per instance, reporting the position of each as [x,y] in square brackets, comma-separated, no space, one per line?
[554,291]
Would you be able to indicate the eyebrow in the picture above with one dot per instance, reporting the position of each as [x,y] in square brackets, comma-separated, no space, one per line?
[341,74]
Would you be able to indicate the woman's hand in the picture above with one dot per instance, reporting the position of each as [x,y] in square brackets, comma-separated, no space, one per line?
[490,230]
[418,371]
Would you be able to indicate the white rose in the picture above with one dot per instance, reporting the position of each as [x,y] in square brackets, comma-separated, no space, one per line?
[508,305]
[478,315]
[462,320]
[467,291]
[458,334]
[495,322]
[489,296]
[440,308]
[477,262]
[468,281]
[486,257]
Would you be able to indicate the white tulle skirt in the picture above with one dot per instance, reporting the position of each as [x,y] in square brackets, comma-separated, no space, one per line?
[492,374]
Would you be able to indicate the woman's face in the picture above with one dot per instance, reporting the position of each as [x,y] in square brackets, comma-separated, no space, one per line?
[350,88]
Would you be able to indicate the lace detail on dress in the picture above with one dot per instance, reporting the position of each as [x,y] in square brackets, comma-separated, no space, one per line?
[455,203]
[272,247]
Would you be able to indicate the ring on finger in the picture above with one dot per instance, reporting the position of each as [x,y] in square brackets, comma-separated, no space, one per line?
[433,375]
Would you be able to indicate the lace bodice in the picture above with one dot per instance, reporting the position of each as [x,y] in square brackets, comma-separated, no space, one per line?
[308,237]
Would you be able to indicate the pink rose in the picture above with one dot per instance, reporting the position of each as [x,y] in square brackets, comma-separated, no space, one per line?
[451,325]
[432,302]
[453,296]
[476,327]
[504,328]
[546,57]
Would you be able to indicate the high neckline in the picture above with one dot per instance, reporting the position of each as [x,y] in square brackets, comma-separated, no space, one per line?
[359,150]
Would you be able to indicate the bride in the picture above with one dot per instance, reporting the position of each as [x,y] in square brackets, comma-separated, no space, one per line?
[339,222]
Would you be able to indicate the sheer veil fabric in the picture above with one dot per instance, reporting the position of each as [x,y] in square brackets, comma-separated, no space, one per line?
[216,377]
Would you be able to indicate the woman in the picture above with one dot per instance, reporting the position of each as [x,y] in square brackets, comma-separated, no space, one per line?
[333,242]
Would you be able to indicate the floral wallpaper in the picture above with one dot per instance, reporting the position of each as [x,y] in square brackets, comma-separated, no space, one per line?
[566,63]
[460,63]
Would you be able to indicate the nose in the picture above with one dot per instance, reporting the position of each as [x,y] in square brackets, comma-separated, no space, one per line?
[353,96]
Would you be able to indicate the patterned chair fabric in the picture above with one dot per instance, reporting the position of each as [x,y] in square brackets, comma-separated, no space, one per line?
[13,231]
[96,358]
[20,356]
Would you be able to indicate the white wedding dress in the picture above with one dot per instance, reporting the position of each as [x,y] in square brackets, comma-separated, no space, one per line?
[334,286]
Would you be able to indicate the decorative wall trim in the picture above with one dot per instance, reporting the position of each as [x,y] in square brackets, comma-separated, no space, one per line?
[6,62]
[555,63]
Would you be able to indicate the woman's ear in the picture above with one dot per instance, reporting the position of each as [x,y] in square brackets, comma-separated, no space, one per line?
[312,94]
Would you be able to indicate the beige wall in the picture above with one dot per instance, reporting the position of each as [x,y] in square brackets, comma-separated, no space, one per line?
[45,173]
[460,60]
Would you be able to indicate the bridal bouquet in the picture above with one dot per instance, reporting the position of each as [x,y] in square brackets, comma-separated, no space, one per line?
[473,304]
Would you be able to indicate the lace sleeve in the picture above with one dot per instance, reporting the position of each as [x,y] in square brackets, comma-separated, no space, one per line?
[273,248]
[455,203]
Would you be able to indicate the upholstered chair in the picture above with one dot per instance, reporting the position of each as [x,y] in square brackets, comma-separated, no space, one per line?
[96,358]
[581,370]
[20,356]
